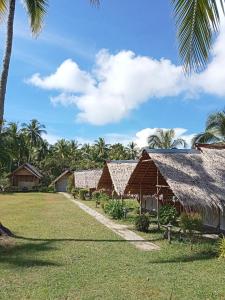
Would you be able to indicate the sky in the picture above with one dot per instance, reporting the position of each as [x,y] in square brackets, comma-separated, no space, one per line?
[111,72]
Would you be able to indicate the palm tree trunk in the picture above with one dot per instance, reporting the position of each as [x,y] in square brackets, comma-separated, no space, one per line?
[6,59]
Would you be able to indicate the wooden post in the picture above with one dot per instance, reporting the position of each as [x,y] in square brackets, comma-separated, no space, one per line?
[140,194]
[169,226]
[157,180]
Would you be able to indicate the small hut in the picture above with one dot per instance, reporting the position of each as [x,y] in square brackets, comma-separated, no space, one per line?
[60,183]
[25,177]
[87,179]
[115,176]
[190,179]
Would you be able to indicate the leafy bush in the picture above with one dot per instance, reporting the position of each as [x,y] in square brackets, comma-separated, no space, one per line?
[45,189]
[96,195]
[75,192]
[191,222]
[4,183]
[167,214]
[142,223]
[221,247]
[104,199]
[83,193]
[70,183]
[115,209]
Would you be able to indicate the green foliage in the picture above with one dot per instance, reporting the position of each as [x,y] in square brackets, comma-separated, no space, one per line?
[191,222]
[46,189]
[221,247]
[142,223]
[70,183]
[75,192]
[114,208]
[4,183]
[167,214]
[83,194]
[96,195]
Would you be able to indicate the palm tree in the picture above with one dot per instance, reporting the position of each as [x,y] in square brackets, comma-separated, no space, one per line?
[132,150]
[215,130]
[196,21]
[165,139]
[36,10]
[33,132]
[101,148]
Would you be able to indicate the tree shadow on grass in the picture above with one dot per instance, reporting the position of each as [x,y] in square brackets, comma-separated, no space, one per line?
[85,240]
[202,255]
[21,255]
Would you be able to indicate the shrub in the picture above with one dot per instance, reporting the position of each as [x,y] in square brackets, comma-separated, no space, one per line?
[4,183]
[83,193]
[142,223]
[96,195]
[75,192]
[70,184]
[221,247]
[104,199]
[167,214]
[191,222]
[115,209]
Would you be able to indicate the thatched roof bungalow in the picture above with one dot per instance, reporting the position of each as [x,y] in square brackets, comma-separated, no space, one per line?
[115,175]
[60,183]
[193,178]
[25,177]
[87,179]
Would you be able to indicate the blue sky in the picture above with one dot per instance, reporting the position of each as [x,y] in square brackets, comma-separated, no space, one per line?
[131,88]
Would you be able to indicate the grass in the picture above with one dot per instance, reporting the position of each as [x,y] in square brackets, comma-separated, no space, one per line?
[60,252]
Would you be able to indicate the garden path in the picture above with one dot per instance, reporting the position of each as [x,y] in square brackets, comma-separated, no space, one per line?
[122,230]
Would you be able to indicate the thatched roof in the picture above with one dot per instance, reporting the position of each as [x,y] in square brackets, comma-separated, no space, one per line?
[87,178]
[116,174]
[33,170]
[66,172]
[195,177]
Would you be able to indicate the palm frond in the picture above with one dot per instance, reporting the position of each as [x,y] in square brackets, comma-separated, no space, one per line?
[206,137]
[196,21]
[3,8]
[36,10]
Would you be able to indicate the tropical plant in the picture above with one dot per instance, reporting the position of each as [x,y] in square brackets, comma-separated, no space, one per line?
[132,150]
[196,21]
[142,223]
[191,222]
[214,131]
[221,247]
[168,214]
[165,139]
[115,209]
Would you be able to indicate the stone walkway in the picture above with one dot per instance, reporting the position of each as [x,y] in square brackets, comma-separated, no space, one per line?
[119,229]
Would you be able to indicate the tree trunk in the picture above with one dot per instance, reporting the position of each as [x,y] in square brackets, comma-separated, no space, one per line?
[6,59]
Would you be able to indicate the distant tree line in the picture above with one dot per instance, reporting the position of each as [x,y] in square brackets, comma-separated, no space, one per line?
[22,143]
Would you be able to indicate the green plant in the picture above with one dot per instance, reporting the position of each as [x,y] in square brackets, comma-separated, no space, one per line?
[142,223]
[221,247]
[70,184]
[191,222]
[167,214]
[115,209]
[4,183]
[96,195]
[83,193]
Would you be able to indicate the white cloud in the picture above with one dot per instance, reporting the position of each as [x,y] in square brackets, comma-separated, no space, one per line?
[51,138]
[120,83]
[68,78]
[141,137]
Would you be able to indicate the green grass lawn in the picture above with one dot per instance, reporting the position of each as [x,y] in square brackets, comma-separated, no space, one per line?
[62,253]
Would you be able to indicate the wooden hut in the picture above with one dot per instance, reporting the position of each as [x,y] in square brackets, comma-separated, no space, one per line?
[25,177]
[87,179]
[60,183]
[190,179]
[115,176]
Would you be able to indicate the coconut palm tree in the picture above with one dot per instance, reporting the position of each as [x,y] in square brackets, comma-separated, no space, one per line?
[36,10]
[33,133]
[196,21]
[215,130]
[165,139]
[132,150]
[102,148]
